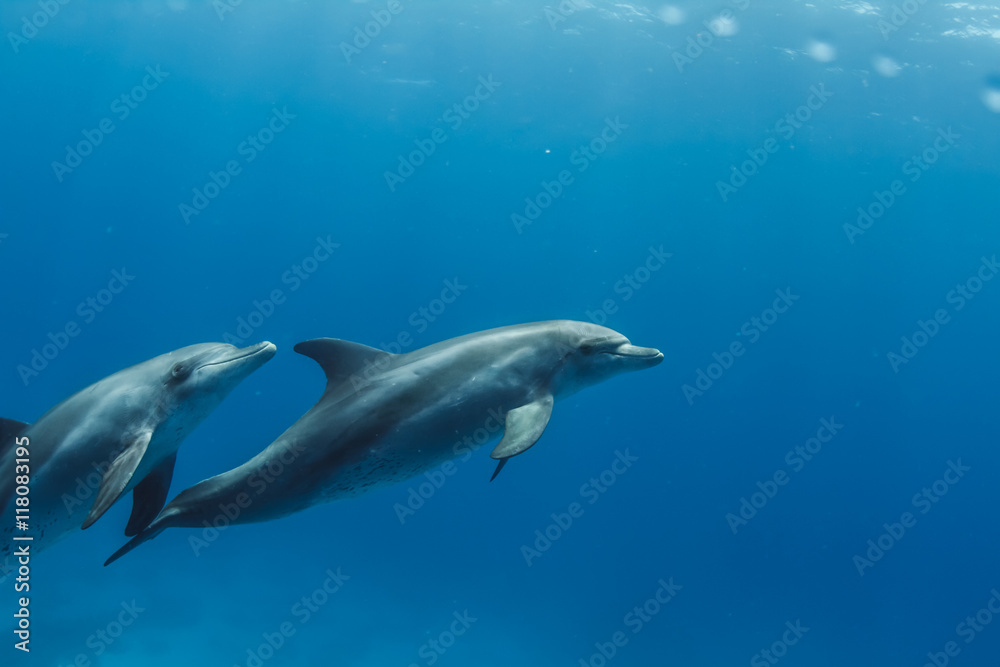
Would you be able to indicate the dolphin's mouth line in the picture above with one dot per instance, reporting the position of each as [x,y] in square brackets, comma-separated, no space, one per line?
[646,353]
[257,349]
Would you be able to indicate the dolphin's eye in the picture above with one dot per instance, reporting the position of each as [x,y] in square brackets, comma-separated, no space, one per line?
[588,348]
[178,371]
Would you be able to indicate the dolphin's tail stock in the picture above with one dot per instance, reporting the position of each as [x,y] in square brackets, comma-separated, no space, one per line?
[167,519]
[184,511]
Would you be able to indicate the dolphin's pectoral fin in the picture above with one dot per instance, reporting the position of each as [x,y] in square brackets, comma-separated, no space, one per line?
[117,477]
[149,496]
[343,360]
[522,429]
[9,428]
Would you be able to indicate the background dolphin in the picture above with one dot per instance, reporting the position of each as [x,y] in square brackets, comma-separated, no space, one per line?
[118,433]
[385,418]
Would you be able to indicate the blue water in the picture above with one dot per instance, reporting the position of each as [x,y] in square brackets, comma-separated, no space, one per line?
[873,85]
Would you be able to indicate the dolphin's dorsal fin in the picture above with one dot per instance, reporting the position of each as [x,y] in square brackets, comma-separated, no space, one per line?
[522,429]
[118,476]
[149,496]
[9,428]
[344,361]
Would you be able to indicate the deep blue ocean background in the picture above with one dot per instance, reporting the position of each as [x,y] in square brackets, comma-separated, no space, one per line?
[564,73]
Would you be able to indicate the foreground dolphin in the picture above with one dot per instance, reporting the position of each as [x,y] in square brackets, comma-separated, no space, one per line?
[387,417]
[117,434]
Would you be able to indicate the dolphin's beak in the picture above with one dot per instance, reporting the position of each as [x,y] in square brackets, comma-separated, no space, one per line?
[647,356]
[264,351]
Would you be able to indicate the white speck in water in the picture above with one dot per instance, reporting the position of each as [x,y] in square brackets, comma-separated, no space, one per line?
[672,15]
[886,66]
[821,51]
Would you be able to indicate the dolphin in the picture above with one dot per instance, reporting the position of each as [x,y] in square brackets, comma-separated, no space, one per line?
[120,434]
[384,418]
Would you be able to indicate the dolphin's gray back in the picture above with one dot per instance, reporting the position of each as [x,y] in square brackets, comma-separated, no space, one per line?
[407,419]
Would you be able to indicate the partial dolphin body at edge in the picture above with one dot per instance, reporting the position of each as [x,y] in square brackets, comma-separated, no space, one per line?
[387,417]
[119,434]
